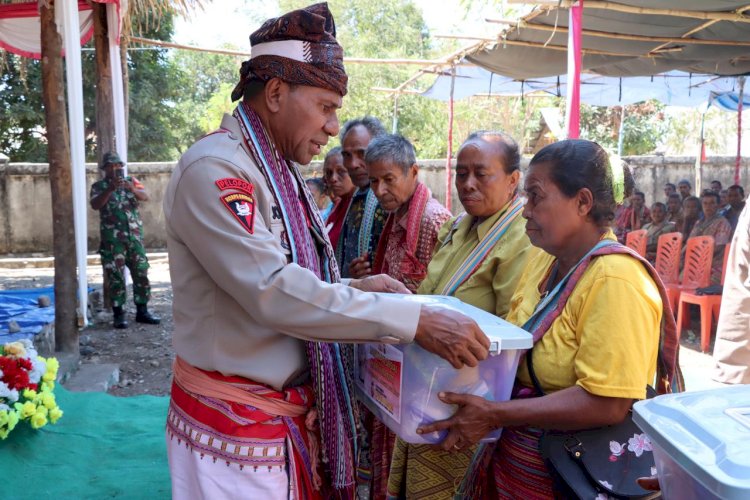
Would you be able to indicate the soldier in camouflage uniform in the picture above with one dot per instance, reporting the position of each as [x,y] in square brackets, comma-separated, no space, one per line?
[116,198]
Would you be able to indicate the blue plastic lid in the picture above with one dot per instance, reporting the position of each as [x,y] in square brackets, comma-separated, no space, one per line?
[707,433]
[506,335]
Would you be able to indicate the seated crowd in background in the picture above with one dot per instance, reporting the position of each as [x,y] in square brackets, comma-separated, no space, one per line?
[690,215]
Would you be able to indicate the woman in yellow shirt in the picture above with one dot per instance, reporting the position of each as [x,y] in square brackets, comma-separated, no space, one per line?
[478,259]
[595,312]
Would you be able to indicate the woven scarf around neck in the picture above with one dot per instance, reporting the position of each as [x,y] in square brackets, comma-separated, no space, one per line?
[328,364]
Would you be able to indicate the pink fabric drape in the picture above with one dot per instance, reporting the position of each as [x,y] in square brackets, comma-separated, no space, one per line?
[20,31]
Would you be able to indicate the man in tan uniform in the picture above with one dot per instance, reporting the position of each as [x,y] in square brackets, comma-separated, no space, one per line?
[732,348]
[256,297]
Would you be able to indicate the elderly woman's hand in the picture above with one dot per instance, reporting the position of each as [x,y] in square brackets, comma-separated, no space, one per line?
[379,283]
[360,267]
[475,418]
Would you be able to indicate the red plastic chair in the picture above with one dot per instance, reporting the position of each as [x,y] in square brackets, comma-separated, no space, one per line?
[637,241]
[709,305]
[668,253]
[696,272]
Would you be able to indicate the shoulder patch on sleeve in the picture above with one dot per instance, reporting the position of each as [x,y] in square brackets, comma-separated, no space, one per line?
[242,206]
[235,184]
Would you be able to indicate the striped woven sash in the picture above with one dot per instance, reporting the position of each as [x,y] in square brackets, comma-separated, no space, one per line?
[368,218]
[484,247]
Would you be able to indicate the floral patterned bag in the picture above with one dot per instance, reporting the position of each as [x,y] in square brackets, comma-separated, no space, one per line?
[598,464]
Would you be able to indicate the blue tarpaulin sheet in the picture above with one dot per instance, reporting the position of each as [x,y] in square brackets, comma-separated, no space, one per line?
[21,306]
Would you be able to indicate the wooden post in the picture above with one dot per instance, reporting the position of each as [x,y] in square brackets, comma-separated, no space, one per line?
[61,184]
[105,120]
[449,159]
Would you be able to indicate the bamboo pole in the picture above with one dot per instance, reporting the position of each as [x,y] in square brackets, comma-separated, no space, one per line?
[635,38]
[700,28]
[531,93]
[629,9]
[564,48]
[348,60]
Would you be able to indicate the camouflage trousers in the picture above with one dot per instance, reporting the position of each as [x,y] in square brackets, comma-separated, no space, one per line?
[115,256]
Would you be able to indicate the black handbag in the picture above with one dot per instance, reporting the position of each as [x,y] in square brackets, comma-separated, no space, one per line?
[598,463]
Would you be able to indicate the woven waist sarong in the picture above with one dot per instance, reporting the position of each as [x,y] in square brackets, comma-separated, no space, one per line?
[241,422]
[518,467]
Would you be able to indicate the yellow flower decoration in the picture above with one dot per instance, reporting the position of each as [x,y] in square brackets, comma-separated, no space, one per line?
[52,366]
[12,420]
[48,400]
[41,409]
[4,433]
[29,393]
[26,410]
[15,349]
[3,418]
[55,414]
[39,420]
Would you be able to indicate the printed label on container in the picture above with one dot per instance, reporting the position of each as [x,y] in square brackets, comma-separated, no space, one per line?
[381,368]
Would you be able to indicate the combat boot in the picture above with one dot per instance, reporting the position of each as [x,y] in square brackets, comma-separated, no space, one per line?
[119,318]
[143,316]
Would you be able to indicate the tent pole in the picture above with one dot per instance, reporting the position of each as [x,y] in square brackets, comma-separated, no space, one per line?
[118,97]
[573,108]
[448,161]
[701,154]
[620,138]
[738,160]
[74,79]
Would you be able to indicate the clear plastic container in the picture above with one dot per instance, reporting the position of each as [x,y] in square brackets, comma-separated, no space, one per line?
[400,383]
[701,442]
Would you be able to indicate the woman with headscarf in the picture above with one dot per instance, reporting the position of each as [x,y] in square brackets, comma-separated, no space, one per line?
[596,311]
[478,259]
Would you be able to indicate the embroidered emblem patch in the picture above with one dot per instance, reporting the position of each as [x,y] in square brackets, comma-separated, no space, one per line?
[235,184]
[242,206]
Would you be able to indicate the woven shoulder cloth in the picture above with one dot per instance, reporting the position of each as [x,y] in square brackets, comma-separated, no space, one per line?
[368,218]
[484,247]
[330,364]
[417,206]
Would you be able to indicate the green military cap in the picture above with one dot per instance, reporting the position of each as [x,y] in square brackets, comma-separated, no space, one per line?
[110,157]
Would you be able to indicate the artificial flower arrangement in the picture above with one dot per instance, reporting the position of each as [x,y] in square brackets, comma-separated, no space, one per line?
[26,384]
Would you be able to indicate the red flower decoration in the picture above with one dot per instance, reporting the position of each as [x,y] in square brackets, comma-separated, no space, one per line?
[15,373]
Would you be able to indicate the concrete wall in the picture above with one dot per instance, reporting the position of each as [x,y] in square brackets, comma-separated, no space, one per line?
[26,205]
[25,201]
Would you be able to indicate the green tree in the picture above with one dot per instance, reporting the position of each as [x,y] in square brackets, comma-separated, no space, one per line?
[644,128]
[206,98]
[157,128]
[22,133]
[387,29]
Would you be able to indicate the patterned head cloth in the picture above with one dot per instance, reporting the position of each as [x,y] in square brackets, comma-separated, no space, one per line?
[299,47]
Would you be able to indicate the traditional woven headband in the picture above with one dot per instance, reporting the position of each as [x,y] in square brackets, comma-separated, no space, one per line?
[291,49]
